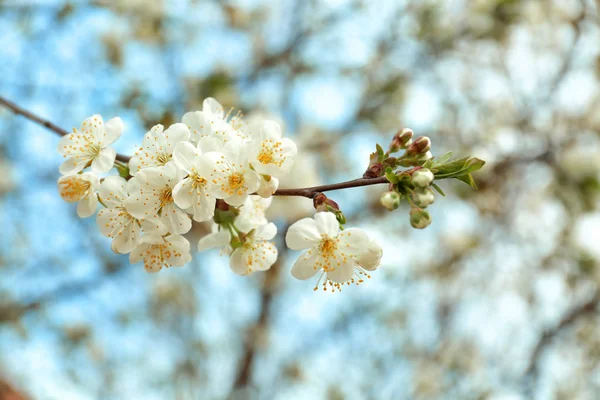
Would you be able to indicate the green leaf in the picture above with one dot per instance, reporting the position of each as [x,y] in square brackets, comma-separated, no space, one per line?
[443,159]
[380,152]
[438,189]
[468,179]
[450,167]
[474,164]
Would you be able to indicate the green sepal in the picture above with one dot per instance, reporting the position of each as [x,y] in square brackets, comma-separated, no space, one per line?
[224,217]
[391,176]
[123,170]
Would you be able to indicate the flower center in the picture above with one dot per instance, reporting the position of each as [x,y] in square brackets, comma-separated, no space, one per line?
[327,247]
[166,197]
[265,156]
[74,189]
[198,181]
[162,158]
[236,180]
[94,149]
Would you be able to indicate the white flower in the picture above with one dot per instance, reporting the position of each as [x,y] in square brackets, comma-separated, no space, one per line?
[371,257]
[89,145]
[192,192]
[256,253]
[157,147]
[267,187]
[270,154]
[115,221]
[151,195]
[233,179]
[422,178]
[329,249]
[252,213]
[80,188]
[158,252]
[211,121]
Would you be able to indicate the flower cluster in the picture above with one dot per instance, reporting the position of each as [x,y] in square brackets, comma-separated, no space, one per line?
[416,184]
[210,167]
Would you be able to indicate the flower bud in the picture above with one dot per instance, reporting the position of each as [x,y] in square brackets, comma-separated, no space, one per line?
[422,178]
[426,156]
[373,171]
[419,218]
[322,203]
[421,145]
[390,200]
[423,197]
[401,140]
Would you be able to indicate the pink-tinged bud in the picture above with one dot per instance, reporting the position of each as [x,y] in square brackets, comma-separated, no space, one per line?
[323,203]
[419,218]
[373,171]
[401,140]
[221,205]
[421,145]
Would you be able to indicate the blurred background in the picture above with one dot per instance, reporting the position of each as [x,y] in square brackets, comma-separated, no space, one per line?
[497,299]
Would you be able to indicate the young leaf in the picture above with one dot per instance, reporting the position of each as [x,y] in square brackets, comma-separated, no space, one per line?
[380,152]
[468,179]
[443,158]
[438,189]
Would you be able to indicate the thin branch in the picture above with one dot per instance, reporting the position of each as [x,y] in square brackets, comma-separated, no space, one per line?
[304,192]
[43,122]
[311,192]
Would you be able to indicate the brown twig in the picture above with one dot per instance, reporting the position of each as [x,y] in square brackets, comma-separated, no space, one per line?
[309,192]
[43,122]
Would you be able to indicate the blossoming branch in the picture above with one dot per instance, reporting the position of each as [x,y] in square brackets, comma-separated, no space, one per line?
[215,167]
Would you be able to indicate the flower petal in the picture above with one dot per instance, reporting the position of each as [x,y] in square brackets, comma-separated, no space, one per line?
[112,191]
[353,241]
[303,234]
[87,206]
[73,165]
[184,193]
[265,232]
[306,266]
[112,131]
[213,107]
[104,161]
[342,272]
[126,240]
[176,220]
[213,240]
[327,224]
[184,156]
